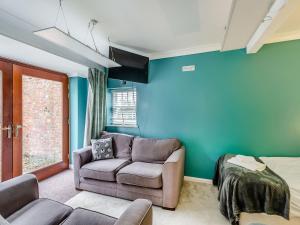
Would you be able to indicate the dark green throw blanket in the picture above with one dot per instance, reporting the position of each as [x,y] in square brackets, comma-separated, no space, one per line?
[243,190]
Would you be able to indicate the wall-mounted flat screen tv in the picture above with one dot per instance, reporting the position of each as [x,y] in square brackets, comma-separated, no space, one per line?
[134,67]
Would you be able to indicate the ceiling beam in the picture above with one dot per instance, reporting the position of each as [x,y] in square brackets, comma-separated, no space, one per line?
[245,16]
[277,15]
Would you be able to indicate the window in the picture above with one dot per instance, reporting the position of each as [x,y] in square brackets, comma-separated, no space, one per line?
[124,107]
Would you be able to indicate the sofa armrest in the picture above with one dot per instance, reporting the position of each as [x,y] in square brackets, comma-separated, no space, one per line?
[138,213]
[173,172]
[16,193]
[81,157]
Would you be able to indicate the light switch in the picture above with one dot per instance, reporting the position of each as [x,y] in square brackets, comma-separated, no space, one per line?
[188,68]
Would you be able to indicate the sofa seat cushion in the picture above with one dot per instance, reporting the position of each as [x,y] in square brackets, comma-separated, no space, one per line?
[141,174]
[103,169]
[40,212]
[86,217]
[153,150]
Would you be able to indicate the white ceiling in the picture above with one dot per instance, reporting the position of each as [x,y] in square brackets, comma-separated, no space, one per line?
[245,18]
[292,24]
[156,28]
[289,30]
[153,27]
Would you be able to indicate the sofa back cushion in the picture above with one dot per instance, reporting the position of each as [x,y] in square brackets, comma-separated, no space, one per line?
[153,150]
[121,144]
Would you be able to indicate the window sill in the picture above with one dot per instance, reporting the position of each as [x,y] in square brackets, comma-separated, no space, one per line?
[122,126]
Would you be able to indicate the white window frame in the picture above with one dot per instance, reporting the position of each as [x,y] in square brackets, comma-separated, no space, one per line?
[118,120]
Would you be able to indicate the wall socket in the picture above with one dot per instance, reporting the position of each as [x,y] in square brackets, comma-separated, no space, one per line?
[188,68]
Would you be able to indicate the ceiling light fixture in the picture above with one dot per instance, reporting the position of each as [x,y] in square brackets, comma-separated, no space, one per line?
[63,39]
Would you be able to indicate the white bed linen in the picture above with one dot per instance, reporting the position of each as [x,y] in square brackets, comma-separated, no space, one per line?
[247,162]
[288,168]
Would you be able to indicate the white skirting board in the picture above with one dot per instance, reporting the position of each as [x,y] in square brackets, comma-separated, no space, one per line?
[198,180]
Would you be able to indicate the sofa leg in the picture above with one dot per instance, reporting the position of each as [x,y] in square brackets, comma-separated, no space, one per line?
[170,209]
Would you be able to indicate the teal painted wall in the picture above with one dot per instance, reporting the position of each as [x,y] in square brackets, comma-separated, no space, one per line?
[73,102]
[78,100]
[233,102]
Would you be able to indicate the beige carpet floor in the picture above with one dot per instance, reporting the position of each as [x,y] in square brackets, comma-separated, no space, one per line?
[198,206]
[59,187]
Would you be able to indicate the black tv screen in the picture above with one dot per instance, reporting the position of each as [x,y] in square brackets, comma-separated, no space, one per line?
[133,67]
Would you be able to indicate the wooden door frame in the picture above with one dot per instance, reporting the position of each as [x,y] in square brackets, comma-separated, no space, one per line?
[7,144]
[18,70]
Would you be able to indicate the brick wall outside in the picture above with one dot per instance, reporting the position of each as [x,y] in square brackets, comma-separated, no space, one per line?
[42,122]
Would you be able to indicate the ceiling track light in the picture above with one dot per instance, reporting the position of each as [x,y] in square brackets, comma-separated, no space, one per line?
[66,40]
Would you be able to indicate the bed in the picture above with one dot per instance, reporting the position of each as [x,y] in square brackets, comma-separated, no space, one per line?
[246,196]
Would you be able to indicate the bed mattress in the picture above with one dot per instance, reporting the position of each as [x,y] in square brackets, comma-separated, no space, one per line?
[289,169]
[244,190]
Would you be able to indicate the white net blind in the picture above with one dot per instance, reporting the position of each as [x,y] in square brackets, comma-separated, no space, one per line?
[124,107]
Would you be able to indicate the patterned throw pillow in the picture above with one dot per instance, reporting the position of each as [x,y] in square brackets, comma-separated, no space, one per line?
[102,149]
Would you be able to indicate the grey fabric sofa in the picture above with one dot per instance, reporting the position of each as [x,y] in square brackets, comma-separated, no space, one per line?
[142,168]
[20,205]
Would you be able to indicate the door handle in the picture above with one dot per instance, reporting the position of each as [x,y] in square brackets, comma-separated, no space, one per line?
[16,130]
[9,130]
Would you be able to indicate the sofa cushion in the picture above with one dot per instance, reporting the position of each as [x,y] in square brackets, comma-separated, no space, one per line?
[138,213]
[121,143]
[86,217]
[16,193]
[103,169]
[102,149]
[40,212]
[153,150]
[141,174]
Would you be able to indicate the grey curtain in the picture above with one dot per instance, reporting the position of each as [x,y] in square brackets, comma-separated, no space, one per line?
[96,108]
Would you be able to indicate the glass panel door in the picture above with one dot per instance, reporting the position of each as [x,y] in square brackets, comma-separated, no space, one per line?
[40,118]
[42,122]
